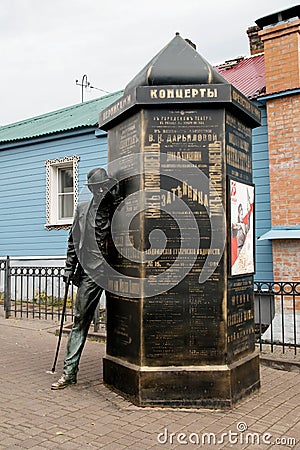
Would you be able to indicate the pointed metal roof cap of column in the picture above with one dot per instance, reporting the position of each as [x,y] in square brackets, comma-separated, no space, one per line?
[177,63]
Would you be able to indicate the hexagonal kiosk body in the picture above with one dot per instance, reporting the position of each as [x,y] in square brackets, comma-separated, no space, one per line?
[180,320]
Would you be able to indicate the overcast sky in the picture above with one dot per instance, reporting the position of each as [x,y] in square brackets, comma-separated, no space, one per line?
[45,45]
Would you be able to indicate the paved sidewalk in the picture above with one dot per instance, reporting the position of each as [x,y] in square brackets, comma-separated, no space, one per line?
[89,416]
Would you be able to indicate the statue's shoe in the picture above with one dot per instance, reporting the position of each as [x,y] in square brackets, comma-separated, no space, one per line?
[63,382]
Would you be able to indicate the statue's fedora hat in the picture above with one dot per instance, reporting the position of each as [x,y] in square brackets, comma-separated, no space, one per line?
[97,176]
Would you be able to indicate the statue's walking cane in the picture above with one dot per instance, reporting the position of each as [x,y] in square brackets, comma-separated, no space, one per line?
[68,281]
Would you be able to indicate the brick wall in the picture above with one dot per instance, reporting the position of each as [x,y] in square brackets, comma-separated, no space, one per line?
[281,46]
[286,259]
[255,42]
[284,158]
[286,268]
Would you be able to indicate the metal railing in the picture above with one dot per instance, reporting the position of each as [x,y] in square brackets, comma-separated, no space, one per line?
[37,290]
[30,290]
[277,314]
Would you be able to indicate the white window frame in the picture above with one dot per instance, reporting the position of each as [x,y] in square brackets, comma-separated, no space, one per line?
[52,209]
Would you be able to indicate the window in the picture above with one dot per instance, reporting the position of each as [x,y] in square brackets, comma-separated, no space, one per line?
[65,192]
[61,191]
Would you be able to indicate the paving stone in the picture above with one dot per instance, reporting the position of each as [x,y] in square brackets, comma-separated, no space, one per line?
[90,416]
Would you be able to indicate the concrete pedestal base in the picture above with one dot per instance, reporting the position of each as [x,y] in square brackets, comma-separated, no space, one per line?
[216,387]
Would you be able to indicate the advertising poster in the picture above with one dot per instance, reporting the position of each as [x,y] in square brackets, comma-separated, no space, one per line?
[242,228]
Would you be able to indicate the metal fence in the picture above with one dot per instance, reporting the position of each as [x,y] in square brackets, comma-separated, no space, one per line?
[277,314]
[30,290]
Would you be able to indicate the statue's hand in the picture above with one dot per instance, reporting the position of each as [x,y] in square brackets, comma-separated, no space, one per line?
[67,276]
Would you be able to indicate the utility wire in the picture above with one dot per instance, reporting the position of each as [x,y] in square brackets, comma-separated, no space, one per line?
[98,89]
[86,84]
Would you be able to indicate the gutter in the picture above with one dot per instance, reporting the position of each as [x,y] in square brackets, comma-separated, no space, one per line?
[279,94]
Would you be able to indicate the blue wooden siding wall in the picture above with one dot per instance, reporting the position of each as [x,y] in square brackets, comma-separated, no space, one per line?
[23,189]
[261,178]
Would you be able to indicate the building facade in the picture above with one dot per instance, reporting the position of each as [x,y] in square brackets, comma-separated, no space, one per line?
[280,34]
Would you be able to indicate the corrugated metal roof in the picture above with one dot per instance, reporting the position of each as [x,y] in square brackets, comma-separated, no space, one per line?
[247,75]
[77,116]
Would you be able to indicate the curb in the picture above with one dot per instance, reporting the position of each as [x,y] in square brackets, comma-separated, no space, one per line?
[280,364]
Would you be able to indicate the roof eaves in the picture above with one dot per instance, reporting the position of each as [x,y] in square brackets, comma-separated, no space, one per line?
[49,133]
[280,93]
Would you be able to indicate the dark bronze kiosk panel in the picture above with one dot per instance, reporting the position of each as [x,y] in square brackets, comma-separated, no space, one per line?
[180,322]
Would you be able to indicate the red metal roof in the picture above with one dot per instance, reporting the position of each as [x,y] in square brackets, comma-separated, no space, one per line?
[246,74]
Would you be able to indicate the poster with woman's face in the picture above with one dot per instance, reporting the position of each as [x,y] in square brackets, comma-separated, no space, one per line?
[242,228]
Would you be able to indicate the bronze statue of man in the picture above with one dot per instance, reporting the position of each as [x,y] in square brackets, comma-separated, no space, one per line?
[84,265]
